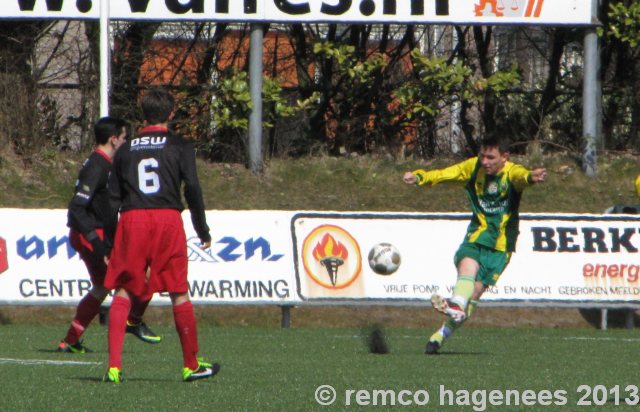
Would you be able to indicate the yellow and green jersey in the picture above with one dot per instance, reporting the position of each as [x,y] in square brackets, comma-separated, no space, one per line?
[494,199]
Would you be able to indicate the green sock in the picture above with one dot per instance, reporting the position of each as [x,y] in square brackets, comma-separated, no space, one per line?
[463,290]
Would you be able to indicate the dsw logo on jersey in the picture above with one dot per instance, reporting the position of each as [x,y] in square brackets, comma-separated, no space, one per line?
[230,249]
[148,141]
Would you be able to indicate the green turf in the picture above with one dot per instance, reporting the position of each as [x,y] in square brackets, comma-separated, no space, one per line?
[271,369]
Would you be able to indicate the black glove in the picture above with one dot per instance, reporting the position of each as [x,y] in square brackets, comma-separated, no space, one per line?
[99,251]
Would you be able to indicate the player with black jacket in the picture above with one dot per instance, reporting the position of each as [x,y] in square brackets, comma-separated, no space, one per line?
[88,209]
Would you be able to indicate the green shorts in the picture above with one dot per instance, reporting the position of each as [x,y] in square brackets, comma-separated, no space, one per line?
[492,262]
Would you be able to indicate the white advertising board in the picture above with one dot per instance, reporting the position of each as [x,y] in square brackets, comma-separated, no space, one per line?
[290,258]
[559,258]
[556,12]
[574,258]
[249,261]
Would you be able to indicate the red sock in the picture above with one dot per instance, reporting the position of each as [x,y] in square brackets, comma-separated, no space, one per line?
[87,309]
[117,324]
[137,310]
[186,327]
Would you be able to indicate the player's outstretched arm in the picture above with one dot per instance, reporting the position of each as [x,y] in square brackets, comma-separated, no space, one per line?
[538,175]
[457,173]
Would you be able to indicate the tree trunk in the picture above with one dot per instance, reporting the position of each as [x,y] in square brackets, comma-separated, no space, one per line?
[127,62]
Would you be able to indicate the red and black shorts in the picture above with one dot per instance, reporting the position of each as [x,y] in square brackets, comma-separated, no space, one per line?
[96,267]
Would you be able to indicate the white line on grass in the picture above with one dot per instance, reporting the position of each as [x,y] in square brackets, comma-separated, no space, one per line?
[589,338]
[598,338]
[45,362]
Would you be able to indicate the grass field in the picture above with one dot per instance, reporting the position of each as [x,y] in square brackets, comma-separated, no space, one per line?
[273,369]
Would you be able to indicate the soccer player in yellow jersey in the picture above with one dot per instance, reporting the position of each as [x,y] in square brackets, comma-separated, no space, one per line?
[494,186]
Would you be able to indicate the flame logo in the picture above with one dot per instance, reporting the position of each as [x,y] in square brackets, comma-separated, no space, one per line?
[331,257]
[328,247]
[331,254]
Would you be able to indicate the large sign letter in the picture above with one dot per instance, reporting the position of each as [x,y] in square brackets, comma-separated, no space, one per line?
[138,6]
[389,7]
[28,5]
[176,6]
[442,7]
[417,7]
[340,8]
[250,6]
[293,9]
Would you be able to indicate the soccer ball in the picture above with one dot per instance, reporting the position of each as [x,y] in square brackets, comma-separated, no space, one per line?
[384,258]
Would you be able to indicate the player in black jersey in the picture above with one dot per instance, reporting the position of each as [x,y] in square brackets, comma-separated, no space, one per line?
[88,210]
[149,172]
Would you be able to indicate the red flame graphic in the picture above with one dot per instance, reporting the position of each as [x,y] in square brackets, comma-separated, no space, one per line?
[329,247]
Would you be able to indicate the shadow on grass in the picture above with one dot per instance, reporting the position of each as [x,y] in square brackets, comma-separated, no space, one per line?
[55,350]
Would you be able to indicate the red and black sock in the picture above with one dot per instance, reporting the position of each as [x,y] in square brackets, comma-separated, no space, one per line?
[138,308]
[88,308]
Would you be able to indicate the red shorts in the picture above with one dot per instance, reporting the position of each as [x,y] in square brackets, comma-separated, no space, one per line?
[149,238]
[96,267]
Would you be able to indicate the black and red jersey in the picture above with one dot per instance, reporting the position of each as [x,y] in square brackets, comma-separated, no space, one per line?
[149,170]
[89,207]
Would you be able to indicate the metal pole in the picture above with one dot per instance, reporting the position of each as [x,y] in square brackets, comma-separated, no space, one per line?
[604,314]
[255,87]
[630,319]
[591,101]
[105,58]
[285,322]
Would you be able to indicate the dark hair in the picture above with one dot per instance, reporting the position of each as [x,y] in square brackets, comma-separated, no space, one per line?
[106,127]
[157,105]
[493,140]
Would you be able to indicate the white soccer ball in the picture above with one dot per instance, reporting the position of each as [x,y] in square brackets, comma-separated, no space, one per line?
[384,258]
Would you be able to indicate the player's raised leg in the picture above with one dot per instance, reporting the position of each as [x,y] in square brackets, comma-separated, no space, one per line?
[447,329]
[464,298]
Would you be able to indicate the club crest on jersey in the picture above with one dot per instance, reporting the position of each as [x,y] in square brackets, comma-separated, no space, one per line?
[492,188]
[148,141]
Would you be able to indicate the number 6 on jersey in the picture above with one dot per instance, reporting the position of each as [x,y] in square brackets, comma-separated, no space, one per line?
[148,179]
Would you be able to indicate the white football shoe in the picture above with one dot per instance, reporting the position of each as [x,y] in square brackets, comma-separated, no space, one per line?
[449,308]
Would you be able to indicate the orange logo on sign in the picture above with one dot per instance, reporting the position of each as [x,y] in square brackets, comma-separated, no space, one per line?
[497,8]
[331,257]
